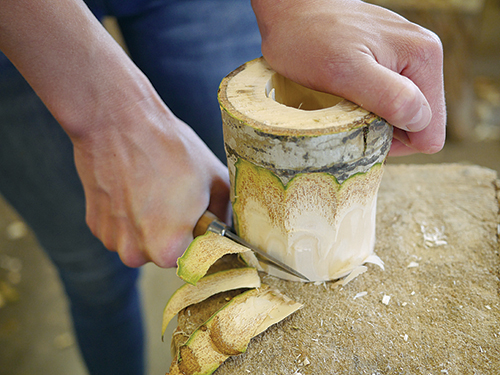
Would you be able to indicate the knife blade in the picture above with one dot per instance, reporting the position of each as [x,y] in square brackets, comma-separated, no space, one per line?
[210,222]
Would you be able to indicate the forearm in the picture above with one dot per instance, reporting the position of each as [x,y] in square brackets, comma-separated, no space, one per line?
[147,177]
[69,59]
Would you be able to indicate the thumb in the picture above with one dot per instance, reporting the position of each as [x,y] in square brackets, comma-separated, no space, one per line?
[388,94]
[402,101]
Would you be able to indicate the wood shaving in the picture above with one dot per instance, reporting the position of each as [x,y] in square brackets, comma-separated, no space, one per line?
[16,230]
[360,294]
[433,236]
[354,273]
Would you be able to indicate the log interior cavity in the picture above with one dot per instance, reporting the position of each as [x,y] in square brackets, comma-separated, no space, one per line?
[292,94]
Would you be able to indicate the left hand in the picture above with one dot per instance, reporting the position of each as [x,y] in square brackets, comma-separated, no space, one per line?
[366,54]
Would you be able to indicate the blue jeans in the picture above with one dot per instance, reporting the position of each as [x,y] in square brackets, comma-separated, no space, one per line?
[185,48]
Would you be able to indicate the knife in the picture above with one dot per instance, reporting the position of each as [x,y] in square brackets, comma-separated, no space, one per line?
[210,222]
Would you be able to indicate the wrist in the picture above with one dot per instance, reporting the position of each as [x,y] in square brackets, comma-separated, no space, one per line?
[109,92]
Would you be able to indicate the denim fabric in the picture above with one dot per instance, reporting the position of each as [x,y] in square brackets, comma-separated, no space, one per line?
[38,177]
[201,41]
[185,48]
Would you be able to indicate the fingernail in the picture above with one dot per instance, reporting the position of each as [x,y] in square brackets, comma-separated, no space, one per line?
[401,136]
[421,119]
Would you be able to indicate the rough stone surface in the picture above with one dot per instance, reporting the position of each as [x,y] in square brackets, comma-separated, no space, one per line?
[435,309]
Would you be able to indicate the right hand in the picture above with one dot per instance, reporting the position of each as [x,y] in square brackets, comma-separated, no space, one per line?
[148,178]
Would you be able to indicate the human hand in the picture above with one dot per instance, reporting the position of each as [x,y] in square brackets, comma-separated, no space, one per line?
[148,178]
[365,54]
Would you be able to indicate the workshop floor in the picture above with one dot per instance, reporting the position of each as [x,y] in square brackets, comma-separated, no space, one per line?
[35,330]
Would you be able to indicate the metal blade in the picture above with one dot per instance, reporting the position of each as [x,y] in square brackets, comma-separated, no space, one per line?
[220,228]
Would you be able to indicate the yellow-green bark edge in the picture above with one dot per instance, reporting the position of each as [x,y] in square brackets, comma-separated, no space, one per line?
[190,266]
[242,164]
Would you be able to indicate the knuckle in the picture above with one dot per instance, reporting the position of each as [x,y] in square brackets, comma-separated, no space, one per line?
[435,146]
[164,261]
[132,259]
[164,253]
[166,256]
[130,253]
[98,231]
[434,41]
[129,248]
[108,242]
[427,48]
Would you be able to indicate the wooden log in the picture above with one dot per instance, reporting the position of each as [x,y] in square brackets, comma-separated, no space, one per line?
[305,168]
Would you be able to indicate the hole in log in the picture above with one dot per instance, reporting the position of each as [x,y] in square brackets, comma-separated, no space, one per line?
[294,95]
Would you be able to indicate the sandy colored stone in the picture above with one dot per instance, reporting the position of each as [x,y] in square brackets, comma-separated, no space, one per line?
[434,310]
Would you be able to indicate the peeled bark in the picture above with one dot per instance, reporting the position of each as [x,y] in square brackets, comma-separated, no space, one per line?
[208,286]
[229,331]
[305,168]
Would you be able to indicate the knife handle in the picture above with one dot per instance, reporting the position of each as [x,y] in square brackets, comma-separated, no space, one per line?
[202,225]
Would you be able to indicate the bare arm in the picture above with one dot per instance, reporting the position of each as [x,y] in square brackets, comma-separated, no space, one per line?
[147,177]
[366,54]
